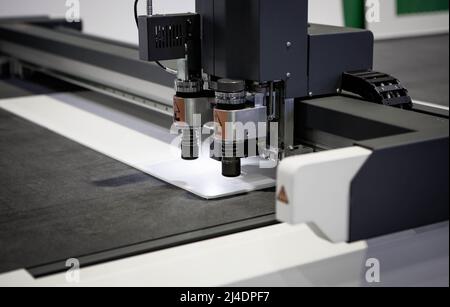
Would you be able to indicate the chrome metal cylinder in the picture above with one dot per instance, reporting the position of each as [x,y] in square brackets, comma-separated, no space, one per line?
[190,144]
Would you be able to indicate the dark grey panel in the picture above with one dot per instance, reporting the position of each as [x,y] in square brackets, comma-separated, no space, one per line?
[206,10]
[344,118]
[334,50]
[367,124]
[282,22]
[237,39]
[248,41]
[367,111]
[399,188]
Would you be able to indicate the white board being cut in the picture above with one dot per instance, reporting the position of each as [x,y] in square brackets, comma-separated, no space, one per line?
[136,142]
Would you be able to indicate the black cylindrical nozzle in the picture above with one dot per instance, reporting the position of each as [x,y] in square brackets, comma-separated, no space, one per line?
[231,167]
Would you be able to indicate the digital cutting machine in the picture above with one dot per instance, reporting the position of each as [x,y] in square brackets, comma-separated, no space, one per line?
[306,88]
[357,158]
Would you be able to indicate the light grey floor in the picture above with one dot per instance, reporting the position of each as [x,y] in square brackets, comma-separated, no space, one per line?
[420,63]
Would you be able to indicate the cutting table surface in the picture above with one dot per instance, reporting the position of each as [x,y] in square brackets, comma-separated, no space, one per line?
[59,199]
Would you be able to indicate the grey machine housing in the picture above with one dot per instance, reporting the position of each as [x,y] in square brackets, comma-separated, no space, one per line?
[266,40]
[405,182]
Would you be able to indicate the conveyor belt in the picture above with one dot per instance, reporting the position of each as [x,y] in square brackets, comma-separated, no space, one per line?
[59,199]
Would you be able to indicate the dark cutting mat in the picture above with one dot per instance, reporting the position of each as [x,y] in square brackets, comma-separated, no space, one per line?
[59,199]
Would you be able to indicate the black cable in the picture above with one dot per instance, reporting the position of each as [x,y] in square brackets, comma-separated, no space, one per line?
[136,19]
[136,13]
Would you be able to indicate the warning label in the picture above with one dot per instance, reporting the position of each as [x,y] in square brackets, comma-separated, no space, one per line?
[282,196]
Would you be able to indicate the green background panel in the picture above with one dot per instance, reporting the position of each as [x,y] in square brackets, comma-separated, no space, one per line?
[421,6]
[354,13]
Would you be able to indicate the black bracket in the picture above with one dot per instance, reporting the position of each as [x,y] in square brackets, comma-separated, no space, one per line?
[170,37]
[378,88]
[164,37]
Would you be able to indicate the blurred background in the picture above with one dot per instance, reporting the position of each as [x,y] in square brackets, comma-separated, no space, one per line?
[114,19]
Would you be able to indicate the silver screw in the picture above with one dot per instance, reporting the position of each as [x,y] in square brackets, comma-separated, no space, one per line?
[288,75]
[289,44]
[310,94]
